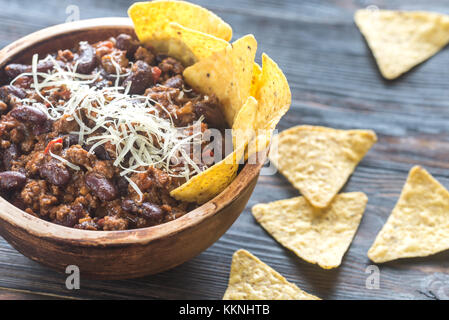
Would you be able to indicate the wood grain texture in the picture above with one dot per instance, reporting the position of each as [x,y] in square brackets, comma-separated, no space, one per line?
[334,82]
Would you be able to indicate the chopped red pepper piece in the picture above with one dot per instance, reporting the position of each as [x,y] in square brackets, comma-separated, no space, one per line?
[156,74]
[51,143]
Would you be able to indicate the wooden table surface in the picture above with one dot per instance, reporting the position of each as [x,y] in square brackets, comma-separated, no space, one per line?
[335,83]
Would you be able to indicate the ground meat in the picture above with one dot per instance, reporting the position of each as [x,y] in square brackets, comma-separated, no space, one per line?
[77,155]
[170,67]
[91,194]
[144,55]
[114,223]
[65,125]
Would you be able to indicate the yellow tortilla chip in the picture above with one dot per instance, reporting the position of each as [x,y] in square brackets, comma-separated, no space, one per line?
[319,236]
[274,97]
[210,182]
[151,19]
[243,127]
[419,223]
[319,160]
[201,45]
[257,73]
[401,40]
[227,74]
[251,279]
[186,44]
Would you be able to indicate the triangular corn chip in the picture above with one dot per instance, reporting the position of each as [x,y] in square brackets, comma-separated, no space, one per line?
[318,160]
[243,127]
[401,40]
[151,18]
[274,97]
[227,74]
[251,279]
[188,45]
[419,223]
[255,82]
[209,183]
[319,236]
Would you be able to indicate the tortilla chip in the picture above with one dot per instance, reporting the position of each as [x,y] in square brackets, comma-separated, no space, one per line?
[211,182]
[319,160]
[251,279]
[319,236]
[274,97]
[227,74]
[401,40]
[243,127]
[186,44]
[201,45]
[152,18]
[419,223]
[257,73]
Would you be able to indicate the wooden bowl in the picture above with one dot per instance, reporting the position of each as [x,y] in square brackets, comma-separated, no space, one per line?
[115,254]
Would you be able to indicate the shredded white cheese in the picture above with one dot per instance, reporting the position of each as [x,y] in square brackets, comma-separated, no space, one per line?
[128,124]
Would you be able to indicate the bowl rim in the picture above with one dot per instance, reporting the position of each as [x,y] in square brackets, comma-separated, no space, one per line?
[45,229]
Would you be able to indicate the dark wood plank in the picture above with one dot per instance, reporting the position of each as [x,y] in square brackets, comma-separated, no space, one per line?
[335,83]
[13,294]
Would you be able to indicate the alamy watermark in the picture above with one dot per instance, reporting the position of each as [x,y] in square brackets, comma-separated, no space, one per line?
[372,282]
[73,13]
[72,282]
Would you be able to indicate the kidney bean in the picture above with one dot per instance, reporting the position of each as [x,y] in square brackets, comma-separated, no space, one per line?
[10,154]
[8,90]
[11,180]
[101,186]
[55,172]
[127,43]
[174,82]
[150,211]
[42,128]
[99,151]
[29,113]
[70,140]
[87,60]
[72,217]
[140,78]
[122,185]
[213,116]
[15,69]
[129,205]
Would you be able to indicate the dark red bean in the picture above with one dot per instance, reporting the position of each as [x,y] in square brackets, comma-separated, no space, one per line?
[174,82]
[149,211]
[212,115]
[14,69]
[101,186]
[29,113]
[127,43]
[11,180]
[42,128]
[99,151]
[55,172]
[8,90]
[129,206]
[70,140]
[140,78]
[10,154]
[122,185]
[152,212]
[87,60]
